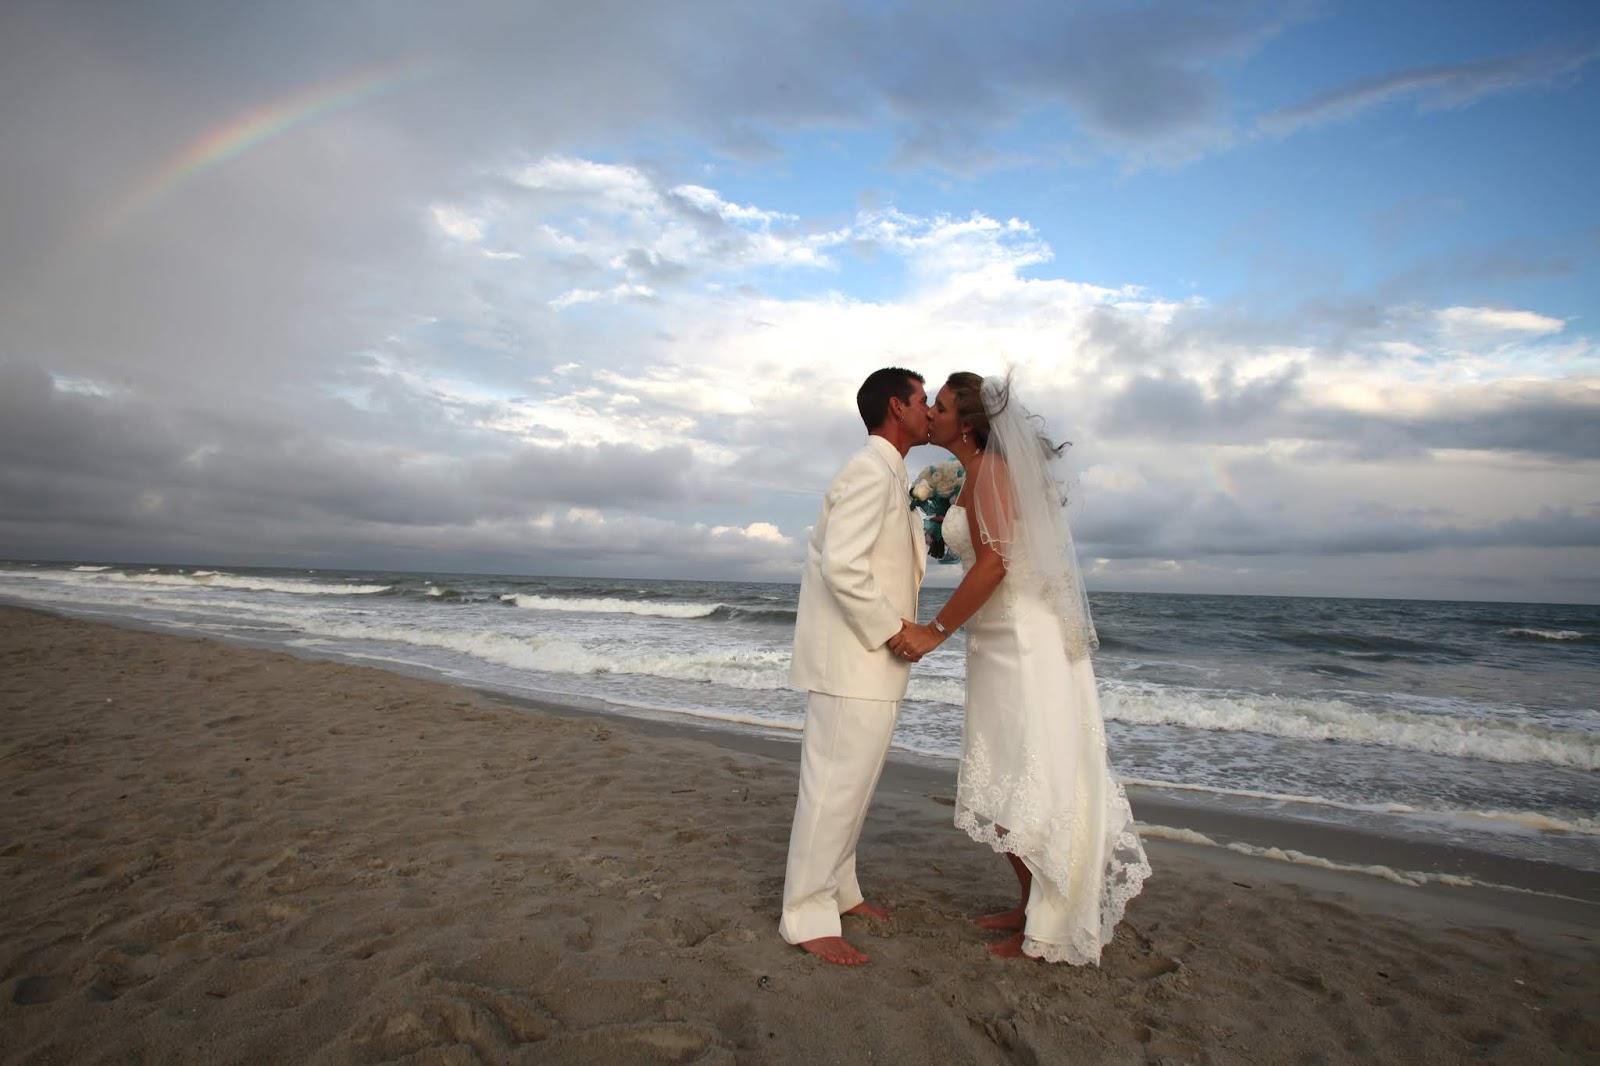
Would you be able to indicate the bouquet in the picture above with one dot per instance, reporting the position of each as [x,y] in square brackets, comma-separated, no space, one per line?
[931,494]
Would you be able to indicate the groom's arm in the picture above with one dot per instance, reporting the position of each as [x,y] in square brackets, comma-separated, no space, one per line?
[855,518]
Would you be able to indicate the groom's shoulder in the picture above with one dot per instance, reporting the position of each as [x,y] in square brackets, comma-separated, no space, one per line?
[865,460]
[861,469]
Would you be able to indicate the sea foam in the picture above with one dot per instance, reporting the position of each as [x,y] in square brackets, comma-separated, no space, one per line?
[1516,821]
[209,579]
[1549,634]
[736,668]
[611,605]
[1335,720]
[1409,878]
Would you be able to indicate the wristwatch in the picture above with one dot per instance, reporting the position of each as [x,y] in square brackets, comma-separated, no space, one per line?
[939,626]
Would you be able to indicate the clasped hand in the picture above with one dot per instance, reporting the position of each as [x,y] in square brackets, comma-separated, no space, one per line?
[914,641]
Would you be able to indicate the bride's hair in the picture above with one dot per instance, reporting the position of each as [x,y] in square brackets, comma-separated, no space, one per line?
[967,388]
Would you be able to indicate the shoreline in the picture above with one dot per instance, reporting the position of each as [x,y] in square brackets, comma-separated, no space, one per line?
[217,853]
[1225,825]
[1356,851]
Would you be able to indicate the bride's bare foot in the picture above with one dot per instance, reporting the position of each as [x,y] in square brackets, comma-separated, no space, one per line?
[1009,948]
[1003,921]
[834,949]
[869,910]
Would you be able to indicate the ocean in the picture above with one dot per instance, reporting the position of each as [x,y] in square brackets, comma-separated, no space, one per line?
[1474,724]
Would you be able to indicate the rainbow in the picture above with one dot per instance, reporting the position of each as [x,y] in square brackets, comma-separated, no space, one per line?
[256,127]
[1223,478]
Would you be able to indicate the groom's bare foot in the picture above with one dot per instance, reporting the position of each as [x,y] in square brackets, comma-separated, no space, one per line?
[1004,921]
[834,949]
[873,911]
[1009,948]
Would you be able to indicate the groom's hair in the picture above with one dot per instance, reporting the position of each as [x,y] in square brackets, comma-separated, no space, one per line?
[881,386]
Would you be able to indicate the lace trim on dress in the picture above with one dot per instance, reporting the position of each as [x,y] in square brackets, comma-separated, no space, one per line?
[1035,833]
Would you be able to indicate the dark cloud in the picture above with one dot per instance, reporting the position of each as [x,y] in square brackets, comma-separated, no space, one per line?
[1479,273]
[1139,73]
[124,471]
[284,265]
[1550,527]
[1437,86]
[249,360]
[1178,523]
[1170,406]
[1555,422]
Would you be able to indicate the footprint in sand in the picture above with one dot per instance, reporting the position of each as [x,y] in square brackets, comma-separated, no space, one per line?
[676,1040]
[1144,963]
[31,991]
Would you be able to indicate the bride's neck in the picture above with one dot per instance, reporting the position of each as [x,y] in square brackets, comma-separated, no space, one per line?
[968,455]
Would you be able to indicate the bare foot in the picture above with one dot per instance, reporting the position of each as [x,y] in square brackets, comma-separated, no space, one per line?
[834,949]
[1009,948]
[869,910]
[1004,921]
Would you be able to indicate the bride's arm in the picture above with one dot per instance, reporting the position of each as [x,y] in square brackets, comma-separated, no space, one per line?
[987,571]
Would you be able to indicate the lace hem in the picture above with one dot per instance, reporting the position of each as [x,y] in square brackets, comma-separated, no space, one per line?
[1044,835]
[1124,879]
[1127,869]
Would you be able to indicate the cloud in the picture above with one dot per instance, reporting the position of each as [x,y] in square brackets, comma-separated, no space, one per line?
[613,233]
[1172,519]
[1485,267]
[457,223]
[103,466]
[1435,87]
[615,294]
[514,308]
[1474,323]
[1560,421]
[1172,406]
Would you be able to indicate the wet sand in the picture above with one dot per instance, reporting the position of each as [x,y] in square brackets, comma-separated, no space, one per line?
[221,854]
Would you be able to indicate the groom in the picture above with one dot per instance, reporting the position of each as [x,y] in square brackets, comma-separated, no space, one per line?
[864,566]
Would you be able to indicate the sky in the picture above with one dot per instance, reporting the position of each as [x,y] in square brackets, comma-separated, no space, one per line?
[587,289]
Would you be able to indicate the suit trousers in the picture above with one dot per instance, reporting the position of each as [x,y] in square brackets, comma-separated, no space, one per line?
[841,757]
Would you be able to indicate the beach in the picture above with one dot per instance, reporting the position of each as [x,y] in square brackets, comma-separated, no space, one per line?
[214,853]
[1467,729]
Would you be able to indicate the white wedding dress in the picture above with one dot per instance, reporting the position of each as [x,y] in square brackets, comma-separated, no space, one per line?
[1034,777]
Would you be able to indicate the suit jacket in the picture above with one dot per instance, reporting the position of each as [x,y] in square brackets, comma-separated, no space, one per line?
[864,567]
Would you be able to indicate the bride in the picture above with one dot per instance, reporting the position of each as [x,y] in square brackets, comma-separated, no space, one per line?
[1034,783]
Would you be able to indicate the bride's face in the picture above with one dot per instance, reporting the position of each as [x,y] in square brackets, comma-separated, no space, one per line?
[944,424]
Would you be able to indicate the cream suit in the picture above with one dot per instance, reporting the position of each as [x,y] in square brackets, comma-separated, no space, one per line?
[864,567]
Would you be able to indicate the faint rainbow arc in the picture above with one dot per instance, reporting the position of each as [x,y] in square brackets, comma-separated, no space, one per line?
[256,127]
[1224,479]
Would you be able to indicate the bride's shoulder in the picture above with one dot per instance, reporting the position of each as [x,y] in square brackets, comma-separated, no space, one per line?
[988,467]
[991,477]
[992,465]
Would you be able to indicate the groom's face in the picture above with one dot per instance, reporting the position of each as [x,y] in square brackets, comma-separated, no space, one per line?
[915,414]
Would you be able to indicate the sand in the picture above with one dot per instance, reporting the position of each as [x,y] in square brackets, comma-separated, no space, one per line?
[215,854]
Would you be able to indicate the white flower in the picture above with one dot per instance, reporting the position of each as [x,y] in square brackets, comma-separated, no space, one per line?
[921,491]
[946,476]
